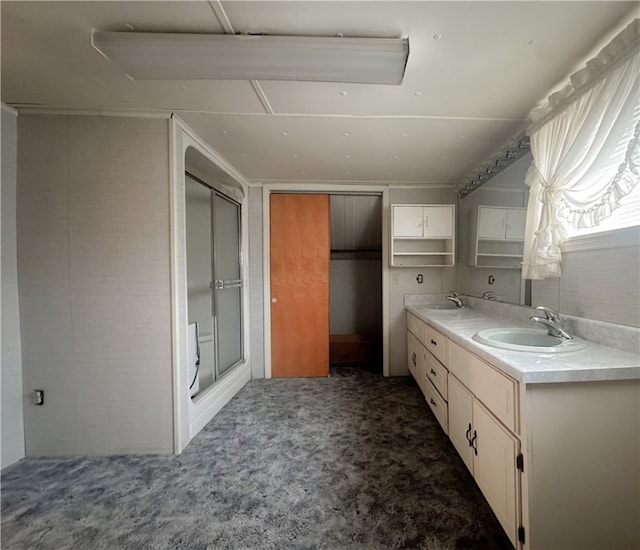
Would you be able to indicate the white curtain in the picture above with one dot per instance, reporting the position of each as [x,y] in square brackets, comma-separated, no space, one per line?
[585,143]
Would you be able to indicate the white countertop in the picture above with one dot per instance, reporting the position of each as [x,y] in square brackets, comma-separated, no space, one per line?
[593,363]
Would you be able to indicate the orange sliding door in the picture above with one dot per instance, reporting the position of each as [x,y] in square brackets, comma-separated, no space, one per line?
[300,246]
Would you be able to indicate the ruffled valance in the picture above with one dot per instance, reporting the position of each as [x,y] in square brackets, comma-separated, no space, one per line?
[625,44]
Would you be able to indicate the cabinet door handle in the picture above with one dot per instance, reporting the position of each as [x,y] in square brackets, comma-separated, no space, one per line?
[434,342]
[433,402]
[433,372]
[468,434]
[413,358]
[473,442]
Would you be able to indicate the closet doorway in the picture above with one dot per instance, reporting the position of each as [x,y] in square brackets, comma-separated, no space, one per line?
[325,282]
[356,281]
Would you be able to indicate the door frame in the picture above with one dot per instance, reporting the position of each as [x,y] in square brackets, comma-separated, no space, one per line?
[323,189]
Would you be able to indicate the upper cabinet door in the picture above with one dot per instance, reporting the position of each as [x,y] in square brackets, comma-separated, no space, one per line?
[423,221]
[516,220]
[491,223]
[407,221]
[438,221]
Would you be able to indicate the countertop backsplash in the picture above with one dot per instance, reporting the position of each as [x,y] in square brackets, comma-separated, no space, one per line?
[621,337]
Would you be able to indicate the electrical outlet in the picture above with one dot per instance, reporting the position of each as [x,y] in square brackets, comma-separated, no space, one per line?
[395,279]
[38,397]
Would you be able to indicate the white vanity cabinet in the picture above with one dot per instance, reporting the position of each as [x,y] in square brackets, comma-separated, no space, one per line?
[422,235]
[489,451]
[557,460]
[477,407]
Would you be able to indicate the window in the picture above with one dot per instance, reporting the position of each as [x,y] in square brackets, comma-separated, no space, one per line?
[627,213]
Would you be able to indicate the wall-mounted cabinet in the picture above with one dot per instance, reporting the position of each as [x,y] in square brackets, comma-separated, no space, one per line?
[498,241]
[422,235]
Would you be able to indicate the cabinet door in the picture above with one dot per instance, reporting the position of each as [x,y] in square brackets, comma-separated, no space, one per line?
[412,354]
[460,420]
[495,468]
[407,221]
[491,223]
[421,367]
[516,220]
[438,221]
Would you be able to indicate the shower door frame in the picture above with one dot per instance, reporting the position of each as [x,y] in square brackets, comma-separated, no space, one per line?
[217,285]
[191,153]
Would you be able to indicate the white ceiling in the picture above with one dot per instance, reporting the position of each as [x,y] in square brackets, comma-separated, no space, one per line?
[463,97]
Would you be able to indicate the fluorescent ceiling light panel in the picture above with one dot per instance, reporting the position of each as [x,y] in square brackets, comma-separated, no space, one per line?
[168,56]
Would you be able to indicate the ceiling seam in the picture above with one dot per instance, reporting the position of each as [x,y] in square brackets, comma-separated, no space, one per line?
[373,117]
[257,88]
[221,16]
[391,183]
[225,23]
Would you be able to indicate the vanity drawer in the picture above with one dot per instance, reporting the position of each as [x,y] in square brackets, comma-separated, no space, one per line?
[436,343]
[415,326]
[495,390]
[437,374]
[437,405]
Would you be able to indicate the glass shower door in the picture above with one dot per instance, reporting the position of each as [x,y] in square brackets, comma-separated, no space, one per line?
[199,228]
[228,282]
[214,283]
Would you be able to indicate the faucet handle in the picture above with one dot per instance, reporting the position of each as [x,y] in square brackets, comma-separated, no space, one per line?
[454,294]
[550,314]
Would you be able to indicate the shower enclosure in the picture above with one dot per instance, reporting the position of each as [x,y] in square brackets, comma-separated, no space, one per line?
[214,284]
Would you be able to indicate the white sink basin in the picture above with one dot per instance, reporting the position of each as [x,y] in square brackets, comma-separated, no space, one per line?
[526,339]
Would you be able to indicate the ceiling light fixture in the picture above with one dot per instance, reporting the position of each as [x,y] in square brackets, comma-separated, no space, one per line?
[176,56]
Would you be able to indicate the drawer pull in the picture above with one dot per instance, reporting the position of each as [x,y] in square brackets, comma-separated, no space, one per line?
[434,342]
[468,434]
[433,372]
[433,402]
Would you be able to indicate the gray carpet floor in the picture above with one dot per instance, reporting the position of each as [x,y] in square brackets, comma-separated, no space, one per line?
[354,461]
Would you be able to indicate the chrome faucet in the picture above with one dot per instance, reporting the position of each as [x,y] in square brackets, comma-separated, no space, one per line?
[455,298]
[490,295]
[553,322]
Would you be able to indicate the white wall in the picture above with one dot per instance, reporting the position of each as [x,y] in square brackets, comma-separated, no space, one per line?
[601,281]
[94,268]
[436,279]
[256,281]
[11,358]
